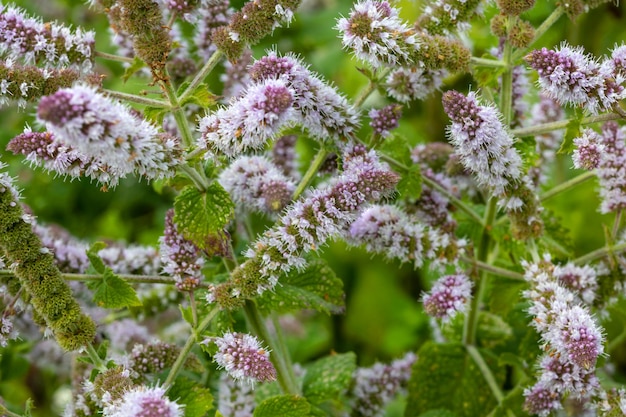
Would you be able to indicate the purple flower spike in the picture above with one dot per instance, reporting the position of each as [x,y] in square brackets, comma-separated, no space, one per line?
[251,121]
[448,296]
[611,167]
[377,35]
[571,77]
[242,356]
[386,119]
[182,259]
[541,400]
[589,150]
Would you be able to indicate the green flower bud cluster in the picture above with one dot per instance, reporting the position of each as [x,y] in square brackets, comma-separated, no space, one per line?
[34,266]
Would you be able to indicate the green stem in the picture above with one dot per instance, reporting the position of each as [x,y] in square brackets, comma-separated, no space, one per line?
[113,57]
[258,326]
[567,185]
[310,172]
[501,272]
[616,224]
[506,98]
[191,341]
[485,62]
[201,75]
[133,98]
[6,413]
[539,32]
[471,319]
[364,94]
[562,124]
[486,372]
[280,339]
[95,359]
[195,175]
[599,253]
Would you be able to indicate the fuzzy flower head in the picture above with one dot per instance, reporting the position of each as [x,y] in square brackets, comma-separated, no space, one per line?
[251,121]
[7,331]
[448,296]
[181,258]
[384,120]
[589,150]
[407,84]
[443,16]
[377,35]
[319,107]
[144,402]
[571,77]
[541,401]
[243,357]
[611,167]
[34,42]
[98,127]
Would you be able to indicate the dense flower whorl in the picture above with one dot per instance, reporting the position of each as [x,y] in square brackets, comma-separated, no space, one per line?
[34,42]
[571,77]
[243,357]
[143,402]
[377,385]
[182,259]
[611,168]
[448,297]
[250,121]
[485,148]
[407,84]
[377,35]
[320,108]
[235,399]
[97,127]
[589,150]
[389,230]
[384,120]
[444,16]
[255,183]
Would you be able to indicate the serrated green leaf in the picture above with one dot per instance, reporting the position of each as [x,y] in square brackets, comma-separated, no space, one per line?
[398,147]
[111,291]
[155,114]
[187,314]
[284,406]
[571,132]
[94,258]
[135,66]
[492,329]
[202,97]
[197,399]
[317,287]
[410,185]
[199,214]
[329,377]
[445,377]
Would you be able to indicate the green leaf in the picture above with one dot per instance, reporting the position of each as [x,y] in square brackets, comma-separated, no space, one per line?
[571,132]
[113,292]
[197,399]
[329,377]
[187,313]
[441,412]
[410,185]
[398,147]
[317,287]
[284,406]
[446,377]
[155,114]
[135,66]
[202,97]
[492,329]
[199,214]
[94,258]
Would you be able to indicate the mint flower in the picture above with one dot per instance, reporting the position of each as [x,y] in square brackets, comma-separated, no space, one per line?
[207,18]
[444,16]
[235,399]
[320,108]
[7,331]
[485,147]
[589,150]
[376,34]
[408,84]
[541,400]
[384,120]
[49,44]
[143,401]
[448,297]
[322,214]
[377,385]
[572,77]
[250,121]
[104,130]
[235,76]
[254,183]
[181,258]
[284,156]
[388,230]
[243,357]
[611,167]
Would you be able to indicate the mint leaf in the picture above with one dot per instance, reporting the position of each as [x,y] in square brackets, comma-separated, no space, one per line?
[113,292]
[317,287]
[94,258]
[200,214]
[284,406]
[135,66]
[197,399]
[410,185]
[329,377]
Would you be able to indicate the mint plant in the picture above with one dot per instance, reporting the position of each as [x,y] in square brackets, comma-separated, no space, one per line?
[242,300]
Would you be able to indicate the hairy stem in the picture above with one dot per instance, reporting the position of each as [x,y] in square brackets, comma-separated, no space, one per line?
[112,57]
[317,162]
[201,75]
[501,272]
[95,358]
[133,98]
[567,185]
[191,341]
[486,62]
[599,253]
[539,32]
[562,124]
